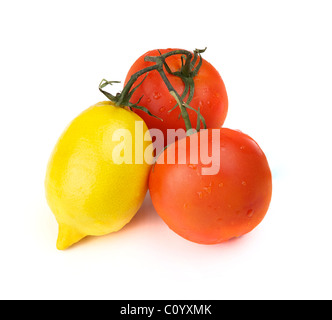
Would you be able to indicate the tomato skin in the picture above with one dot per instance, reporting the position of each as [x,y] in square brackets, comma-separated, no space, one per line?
[210,209]
[210,95]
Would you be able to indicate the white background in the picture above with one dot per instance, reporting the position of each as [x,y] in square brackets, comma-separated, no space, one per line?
[275,58]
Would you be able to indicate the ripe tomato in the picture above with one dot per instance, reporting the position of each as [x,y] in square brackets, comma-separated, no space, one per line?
[211,208]
[209,95]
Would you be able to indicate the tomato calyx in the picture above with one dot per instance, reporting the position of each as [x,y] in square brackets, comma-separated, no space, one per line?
[187,72]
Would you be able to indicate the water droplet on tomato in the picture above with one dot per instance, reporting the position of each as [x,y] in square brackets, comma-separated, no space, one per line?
[250,213]
[221,184]
[207,189]
[148,100]
[200,194]
[157,95]
[162,109]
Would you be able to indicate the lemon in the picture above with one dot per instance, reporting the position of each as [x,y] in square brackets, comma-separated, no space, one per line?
[94,183]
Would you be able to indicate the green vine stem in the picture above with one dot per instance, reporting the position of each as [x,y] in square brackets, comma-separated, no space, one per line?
[187,72]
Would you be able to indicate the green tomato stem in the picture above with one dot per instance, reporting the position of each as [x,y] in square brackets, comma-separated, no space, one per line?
[187,72]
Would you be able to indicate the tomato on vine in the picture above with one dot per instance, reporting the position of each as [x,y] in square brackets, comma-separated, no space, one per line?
[196,81]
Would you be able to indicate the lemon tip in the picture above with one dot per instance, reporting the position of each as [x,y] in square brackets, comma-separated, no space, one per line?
[67,236]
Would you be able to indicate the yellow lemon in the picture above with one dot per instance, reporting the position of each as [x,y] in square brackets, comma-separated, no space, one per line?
[97,176]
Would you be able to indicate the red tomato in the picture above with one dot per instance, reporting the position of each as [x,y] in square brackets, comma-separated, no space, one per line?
[209,95]
[213,208]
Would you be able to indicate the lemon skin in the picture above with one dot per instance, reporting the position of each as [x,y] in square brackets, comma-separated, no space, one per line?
[87,189]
